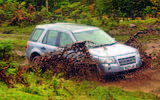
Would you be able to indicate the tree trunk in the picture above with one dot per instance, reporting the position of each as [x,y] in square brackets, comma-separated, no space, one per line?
[47,5]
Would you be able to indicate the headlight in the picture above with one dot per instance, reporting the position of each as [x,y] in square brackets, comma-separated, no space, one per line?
[107,60]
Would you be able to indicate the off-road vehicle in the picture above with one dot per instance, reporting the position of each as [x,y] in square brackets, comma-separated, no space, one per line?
[111,55]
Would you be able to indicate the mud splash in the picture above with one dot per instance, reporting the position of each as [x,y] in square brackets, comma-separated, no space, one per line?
[74,61]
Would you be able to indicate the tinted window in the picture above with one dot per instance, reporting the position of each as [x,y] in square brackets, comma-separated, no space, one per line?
[50,38]
[36,34]
[65,39]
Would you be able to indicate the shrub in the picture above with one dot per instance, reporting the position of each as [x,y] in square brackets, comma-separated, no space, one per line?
[5,48]
[3,64]
[142,28]
[17,14]
[157,28]
[13,69]
[85,18]
[112,23]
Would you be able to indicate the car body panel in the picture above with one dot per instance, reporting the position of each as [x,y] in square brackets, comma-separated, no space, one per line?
[113,50]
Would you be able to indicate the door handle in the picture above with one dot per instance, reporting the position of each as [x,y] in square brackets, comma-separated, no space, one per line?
[43,48]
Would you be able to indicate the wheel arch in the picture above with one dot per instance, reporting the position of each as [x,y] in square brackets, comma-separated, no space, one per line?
[33,55]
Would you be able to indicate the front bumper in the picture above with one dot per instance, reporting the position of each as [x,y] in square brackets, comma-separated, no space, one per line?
[107,69]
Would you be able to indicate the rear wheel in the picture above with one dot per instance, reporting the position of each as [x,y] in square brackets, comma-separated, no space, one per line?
[35,59]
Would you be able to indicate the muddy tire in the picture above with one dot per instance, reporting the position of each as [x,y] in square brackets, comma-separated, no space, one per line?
[100,75]
[35,59]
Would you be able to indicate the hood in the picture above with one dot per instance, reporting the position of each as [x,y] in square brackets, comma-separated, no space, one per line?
[113,50]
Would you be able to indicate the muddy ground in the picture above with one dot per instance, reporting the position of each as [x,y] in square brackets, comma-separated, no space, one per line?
[145,79]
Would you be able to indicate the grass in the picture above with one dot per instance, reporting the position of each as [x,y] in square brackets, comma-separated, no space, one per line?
[149,38]
[19,42]
[121,38]
[16,29]
[68,90]
[18,39]
[19,35]
[147,21]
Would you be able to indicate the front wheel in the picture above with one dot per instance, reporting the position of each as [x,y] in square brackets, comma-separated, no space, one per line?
[100,75]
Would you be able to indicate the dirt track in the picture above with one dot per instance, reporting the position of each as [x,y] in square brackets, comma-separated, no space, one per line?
[145,79]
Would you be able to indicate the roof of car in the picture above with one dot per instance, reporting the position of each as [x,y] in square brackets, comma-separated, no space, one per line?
[67,26]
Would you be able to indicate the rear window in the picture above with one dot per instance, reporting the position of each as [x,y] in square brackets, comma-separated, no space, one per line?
[36,34]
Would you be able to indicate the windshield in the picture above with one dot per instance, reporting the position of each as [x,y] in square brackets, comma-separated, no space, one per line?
[97,36]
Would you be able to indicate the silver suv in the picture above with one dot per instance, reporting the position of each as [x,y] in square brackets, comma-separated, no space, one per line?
[111,55]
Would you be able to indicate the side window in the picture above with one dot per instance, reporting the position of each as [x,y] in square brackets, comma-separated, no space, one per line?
[36,34]
[50,38]
[65,39]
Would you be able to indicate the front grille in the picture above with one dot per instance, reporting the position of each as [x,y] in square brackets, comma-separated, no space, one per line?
[127,61]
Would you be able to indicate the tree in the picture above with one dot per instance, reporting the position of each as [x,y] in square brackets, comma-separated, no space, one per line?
[104,7]
[47,5]
[156,7]
[132,8]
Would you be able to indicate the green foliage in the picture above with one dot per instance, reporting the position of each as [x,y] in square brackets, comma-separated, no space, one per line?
[5,48]
[131,7]
[104,6]
[17,14]
[13,68]
[38,71]
[59,88]
[47,75]
[6,45]
[72,10]
[158,28]
[85,18]
[10,68]
[3,64]
[102,94]
[28,12]
[1,2]
[60,18]
[142,28]
[149,10]
[11,71]
[33,90]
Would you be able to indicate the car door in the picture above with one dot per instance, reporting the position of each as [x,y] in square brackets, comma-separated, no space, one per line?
[54,40]
[50,41]
[65,39]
